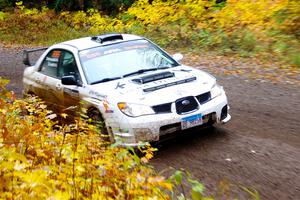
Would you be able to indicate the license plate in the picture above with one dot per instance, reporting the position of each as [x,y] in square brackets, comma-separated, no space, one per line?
[191,121]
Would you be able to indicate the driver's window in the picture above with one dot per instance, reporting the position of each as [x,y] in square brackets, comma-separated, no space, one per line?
[68,65]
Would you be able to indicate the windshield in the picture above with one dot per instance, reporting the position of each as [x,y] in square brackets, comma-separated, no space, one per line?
[116,60]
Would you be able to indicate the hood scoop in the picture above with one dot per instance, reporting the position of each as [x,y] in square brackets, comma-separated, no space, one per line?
[187,80]
[153,77]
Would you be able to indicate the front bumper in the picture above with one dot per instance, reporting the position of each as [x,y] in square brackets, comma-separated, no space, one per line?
[137,131]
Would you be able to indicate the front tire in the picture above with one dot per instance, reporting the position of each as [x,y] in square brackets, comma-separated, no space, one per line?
[98,121]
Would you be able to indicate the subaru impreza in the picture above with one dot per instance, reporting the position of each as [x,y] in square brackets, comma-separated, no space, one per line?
[136,89]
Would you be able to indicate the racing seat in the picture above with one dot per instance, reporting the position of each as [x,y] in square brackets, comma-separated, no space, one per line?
[70,69]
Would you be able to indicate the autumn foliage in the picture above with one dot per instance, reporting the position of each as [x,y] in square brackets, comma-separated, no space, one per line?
[41,159]
[246,27]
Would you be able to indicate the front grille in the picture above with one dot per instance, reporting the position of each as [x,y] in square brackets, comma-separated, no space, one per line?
[203,98]
[162,108]
[185,105]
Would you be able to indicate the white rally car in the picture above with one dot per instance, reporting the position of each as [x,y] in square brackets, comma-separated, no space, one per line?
[141,93]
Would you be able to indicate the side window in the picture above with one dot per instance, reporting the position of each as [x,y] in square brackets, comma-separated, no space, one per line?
[51,63]
[59,63]
[68,65]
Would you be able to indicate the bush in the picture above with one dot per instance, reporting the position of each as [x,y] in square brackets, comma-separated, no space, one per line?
[43,159]
[34,27]
[4,4]
[245,27]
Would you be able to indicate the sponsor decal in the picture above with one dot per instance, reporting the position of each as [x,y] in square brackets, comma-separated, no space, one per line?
[96,94]
[93,55]
[136,46]
[112,51]
[120,85]
[107,107]
[52,59]
[51,64]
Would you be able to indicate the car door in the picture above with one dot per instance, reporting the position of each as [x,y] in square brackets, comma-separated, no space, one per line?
[61,98]
[49,79]
[70,93]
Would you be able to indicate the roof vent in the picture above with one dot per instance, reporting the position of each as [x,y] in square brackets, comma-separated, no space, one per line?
[107,37]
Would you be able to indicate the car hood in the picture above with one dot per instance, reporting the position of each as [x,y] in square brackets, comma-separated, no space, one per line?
[162,86]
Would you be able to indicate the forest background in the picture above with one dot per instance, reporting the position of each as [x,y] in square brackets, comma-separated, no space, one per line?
[268,29]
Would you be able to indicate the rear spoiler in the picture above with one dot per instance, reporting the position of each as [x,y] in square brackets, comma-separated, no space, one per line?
[26,53]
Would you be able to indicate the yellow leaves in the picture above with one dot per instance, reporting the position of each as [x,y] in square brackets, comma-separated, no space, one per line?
[19,5]
[36,178]
[19,166]
[157,13]
[163,12]
[40,159]
[256,15]
[196,8]
[64,115]
[160,182]
[2,15]
[60,195]
[147,152]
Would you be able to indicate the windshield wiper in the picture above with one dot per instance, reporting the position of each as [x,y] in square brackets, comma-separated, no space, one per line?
[143,71]
[105,80]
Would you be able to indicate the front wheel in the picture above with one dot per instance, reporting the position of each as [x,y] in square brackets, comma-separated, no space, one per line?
[98,121]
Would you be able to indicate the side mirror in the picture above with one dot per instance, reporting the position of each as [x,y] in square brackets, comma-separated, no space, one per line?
[26,58]
[69,80]
[178,57]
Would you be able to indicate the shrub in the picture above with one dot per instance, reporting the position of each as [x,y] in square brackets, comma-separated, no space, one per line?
[33,26]
[2,15]
[4,4]
[243,27]
[43,159]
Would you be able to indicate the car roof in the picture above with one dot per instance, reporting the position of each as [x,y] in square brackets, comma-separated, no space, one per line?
[88,42]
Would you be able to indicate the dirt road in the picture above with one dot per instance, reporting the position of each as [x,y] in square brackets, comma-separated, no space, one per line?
[259,148]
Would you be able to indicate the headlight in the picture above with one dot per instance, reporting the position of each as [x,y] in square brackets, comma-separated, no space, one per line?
[135,110]
[216,91]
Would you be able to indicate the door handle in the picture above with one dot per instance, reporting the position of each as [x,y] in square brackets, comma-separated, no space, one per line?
[37,80]
[58,86]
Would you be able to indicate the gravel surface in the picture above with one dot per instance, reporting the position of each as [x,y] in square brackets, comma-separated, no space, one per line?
[258,149]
